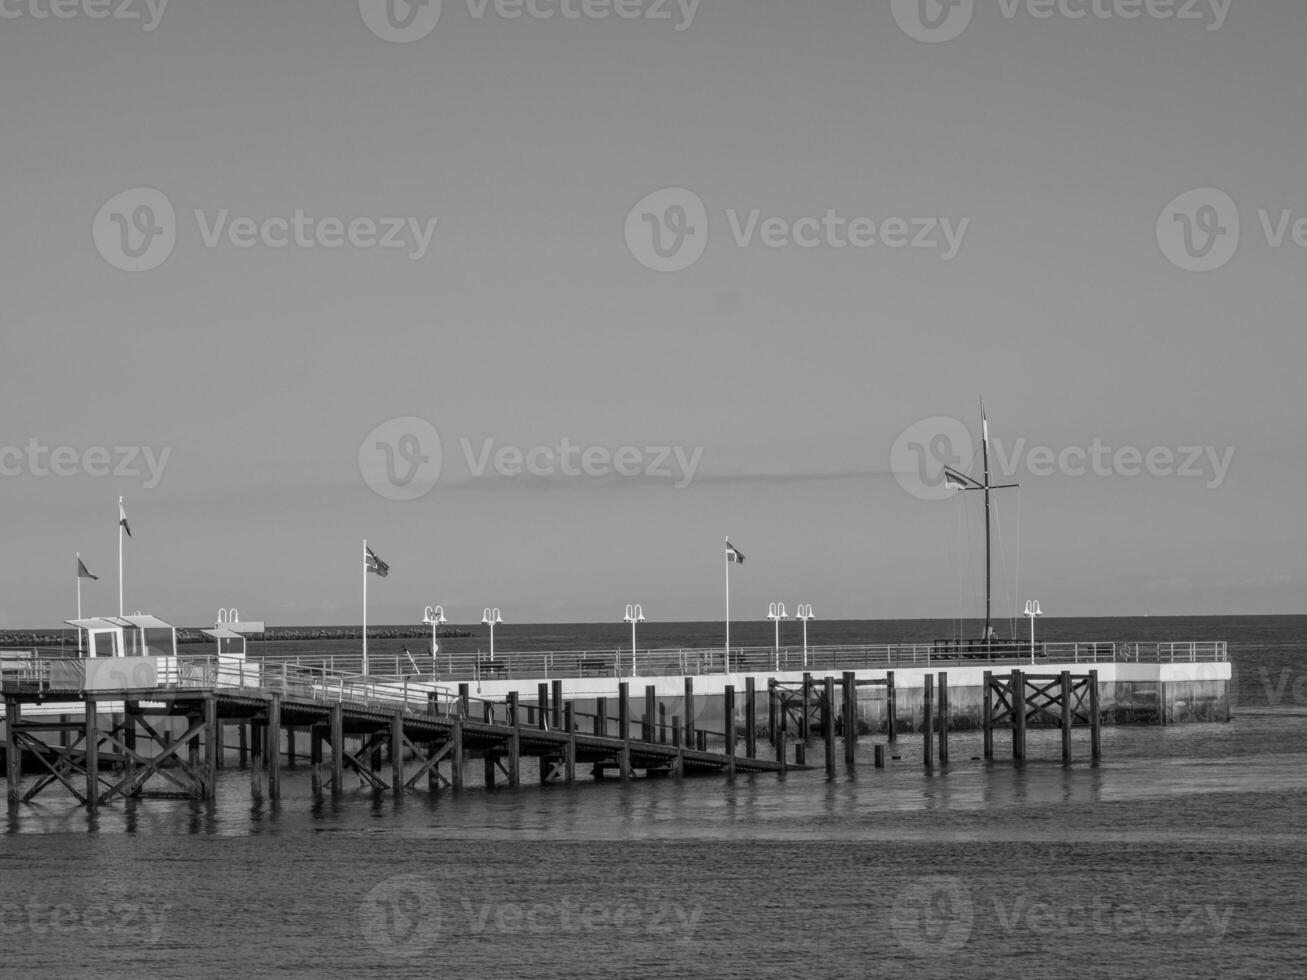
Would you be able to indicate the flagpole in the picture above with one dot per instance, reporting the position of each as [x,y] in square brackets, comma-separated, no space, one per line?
[365,607]
[78,572]
[727,558]
[120,558]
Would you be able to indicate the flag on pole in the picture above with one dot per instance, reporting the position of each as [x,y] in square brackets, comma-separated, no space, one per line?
[375,564]
[84,572]
[122,519]
[734,554]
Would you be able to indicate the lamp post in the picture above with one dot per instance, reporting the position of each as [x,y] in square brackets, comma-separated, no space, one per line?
[776,612]
[435,615]
[634,614]
[804,612]
[1032,610]
[491,617]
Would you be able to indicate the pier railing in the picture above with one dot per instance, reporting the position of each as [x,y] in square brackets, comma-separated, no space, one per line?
[682,662]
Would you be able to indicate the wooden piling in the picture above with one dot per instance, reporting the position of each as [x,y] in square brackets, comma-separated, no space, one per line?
[1095,719]
[1018,698]
[1066,717]
[337,749]
[542,699]
[689,711]
[212,746]
[601,717]
[274,744]
[650,712]
[290,747]
[569,750]
[677,733]
[928,720]
[662,723]
[891,709]
[772,720]
[13,756]
[256,759]
[464,697]
[456,755]
[242,748]
[878,756]
[624,728]
[315,760]
[850,690]
[750,718]
[514,742]
[943,718]
[828,723]
[987,714]
[92,756]
[556,704]
[728,716]
[489,774]
[805,704]
[397,752]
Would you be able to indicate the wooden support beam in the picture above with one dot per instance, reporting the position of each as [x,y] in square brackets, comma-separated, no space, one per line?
[773,722]
[92,756]
[677,733]
[728,716]
[397,752]
[464,699]
[489,770]
[1095,719]
[514,742]
[13,753]
[337,750]
[315,759]
[1017,697]
[662,723]
[987,714]
[601,717]
[257,741]
[928,720]
[243,747]
[212,744]
[828,723]
[624,728]
[542,702]
[1066,717]
[878,756]
[804,733]
[891,709]
[650,712]
[569,750]
[943,718]
[750,718]
[690,720]
[556,704]
[850,686]
[274,747]
[456,755]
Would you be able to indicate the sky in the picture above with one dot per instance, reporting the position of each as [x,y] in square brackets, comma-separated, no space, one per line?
[545,307]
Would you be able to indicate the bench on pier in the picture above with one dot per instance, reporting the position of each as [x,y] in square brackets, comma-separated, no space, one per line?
[497,668]
[596,668]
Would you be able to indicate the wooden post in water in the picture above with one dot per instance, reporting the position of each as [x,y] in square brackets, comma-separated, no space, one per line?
[828,723]
[569,750]
[464,697]
[397,752]
[891,709]
[315,760]
[662,723]
[624,728]
[1066,717]
[650,712]
[772,720]
[514,742]
[677,733]
[456,755]
[290,746]
[850,685]
[489,774]
[601,716]
[13,756]
[1095,720]
[689,711]
[92,757]
[1018,698]
[878,756]
[212,745]
[337,749]
[987,713]
[928,720]
[257,741]
[556,704]
[943,718]
[274,744]
[750,718]
[728,716]
[805,704]
[242,747]
[542,701]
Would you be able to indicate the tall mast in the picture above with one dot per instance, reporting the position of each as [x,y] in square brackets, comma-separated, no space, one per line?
[965,482]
